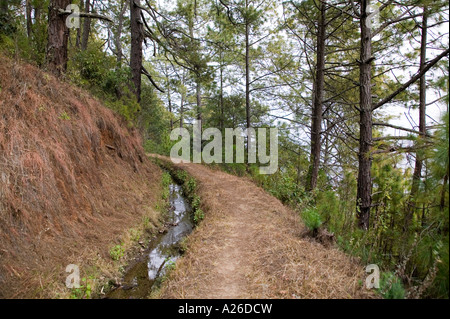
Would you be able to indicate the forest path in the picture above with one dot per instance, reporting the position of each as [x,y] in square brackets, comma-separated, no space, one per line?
[250,245]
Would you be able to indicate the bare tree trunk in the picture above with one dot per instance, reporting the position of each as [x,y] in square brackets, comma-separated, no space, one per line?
[364,188]
[137,37]
[37,14]
[28,9]
[247,71]
[58,35]
[222,119]
[117,40]
[422,123]
[170,108]
[197,73]
[78,37]
[199,99]
[443,191]
[181,110]
[326,155]
[86,26]
[316,121]
[183,98]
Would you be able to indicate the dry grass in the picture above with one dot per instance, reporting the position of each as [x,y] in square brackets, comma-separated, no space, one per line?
[251,246]
[65,197]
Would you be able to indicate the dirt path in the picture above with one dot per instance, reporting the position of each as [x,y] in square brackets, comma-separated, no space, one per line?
[249,246]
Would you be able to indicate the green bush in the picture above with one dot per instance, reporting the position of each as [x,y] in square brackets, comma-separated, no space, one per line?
[328,208]
[166,180]
[391,286]
[84,291]
[198,215]
[311,218]
[117,252]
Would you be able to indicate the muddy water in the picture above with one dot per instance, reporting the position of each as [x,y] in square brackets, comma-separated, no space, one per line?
[141,277]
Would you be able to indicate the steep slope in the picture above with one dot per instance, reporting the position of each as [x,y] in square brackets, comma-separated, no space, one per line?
[72,177]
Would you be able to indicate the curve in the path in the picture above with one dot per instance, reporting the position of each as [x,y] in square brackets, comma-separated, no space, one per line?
[251,246]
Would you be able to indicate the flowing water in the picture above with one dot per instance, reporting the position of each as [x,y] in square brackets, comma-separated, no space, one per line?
[139,280]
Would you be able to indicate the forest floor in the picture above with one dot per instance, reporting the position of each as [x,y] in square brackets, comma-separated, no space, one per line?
[250,245]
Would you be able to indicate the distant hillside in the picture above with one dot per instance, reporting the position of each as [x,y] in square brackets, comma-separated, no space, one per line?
[72,177]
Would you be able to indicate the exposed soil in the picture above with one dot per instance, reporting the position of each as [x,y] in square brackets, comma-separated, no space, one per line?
[250,246]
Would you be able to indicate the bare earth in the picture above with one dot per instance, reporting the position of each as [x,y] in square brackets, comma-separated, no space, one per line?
[251,246]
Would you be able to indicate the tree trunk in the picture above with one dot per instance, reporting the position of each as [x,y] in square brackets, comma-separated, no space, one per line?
[199,99]
[316,120]
[137,37]
[183,98]
[118,40]
[422,123]
[37,14]
[28,9]
[444,191]
[170,107]
[78,36]
[181,110]
[222,118]
[58,35]
[247,72]
[86,26]
[364,187]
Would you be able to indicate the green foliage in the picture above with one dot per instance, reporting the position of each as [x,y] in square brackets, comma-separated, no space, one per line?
[84,291]
[154,118]
[285,188]
[145,222]
[14,40]
[181,175]
[440,286]
[195,202]
[191,185]
[64,116]
[89,67]
[391,286]
[328,208]
[311,218]
[166,180]
[135,234]
[198,215]
[7,25]
[117,252]
[98,72]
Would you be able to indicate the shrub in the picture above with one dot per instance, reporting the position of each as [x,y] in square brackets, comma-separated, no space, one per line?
[198,215]
[117,252]
[311,218]
[391,286]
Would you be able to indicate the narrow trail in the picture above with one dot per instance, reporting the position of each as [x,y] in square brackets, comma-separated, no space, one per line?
[250,245]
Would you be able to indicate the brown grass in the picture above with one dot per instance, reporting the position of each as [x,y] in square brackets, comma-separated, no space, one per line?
[251,246]
[64,196]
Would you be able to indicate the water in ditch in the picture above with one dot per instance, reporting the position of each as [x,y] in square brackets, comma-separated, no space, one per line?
[164,250]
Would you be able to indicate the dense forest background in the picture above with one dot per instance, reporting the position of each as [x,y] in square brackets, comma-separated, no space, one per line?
[331,75]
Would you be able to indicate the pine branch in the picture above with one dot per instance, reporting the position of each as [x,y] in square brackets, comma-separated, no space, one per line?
[428,66]
[86,15]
